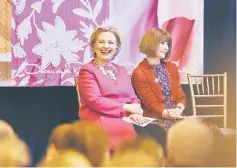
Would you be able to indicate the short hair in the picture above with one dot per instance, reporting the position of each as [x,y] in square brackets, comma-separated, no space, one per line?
[6,129]
[131,158]
[151,41]
[189,143]
[145,144]
[89,139]
[58,135]
[14,152]
[224,152]
[110,29]
[66,158]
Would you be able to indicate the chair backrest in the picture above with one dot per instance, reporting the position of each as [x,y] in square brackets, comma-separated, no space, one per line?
[77,90]
[211,86]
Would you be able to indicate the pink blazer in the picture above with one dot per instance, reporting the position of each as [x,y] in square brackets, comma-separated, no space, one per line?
[102,101]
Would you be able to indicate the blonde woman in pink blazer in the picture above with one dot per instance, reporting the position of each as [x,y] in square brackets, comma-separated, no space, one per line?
[106,91]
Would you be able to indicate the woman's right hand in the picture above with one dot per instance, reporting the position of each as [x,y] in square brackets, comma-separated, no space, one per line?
[133,108]
[165,114]
[138,118]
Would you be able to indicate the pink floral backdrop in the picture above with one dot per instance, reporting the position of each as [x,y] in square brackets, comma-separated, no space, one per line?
[50,38]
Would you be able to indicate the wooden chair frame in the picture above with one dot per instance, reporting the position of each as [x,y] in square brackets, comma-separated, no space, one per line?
[205,86]
[77,90]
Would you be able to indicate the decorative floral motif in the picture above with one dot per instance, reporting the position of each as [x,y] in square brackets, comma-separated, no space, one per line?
[50,38]
[50,47]
[56,4]
[87,30]
[56,41]
[20,6]
[24,29]
[37,6]
[18,51]
[89,13]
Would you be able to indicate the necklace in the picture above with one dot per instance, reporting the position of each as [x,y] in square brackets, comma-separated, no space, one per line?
[153,65]
[107,69]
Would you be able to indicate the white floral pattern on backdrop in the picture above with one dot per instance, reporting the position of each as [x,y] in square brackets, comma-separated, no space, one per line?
[50,38]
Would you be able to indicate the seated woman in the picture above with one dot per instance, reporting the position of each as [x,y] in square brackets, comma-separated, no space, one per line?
[106,91]
[157,83]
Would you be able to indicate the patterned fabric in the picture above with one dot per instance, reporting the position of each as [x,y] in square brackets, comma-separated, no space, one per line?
[50,38]
[162,78]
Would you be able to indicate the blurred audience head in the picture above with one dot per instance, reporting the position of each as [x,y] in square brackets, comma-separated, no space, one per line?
[224,152]
[14,152]
[81,136]
[131,158]
[145,144]
[189,143]
[66,158]
[89,139]
[6,129]
[57,138]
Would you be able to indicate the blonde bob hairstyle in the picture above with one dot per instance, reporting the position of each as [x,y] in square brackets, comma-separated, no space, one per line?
[110,29]
[151,40]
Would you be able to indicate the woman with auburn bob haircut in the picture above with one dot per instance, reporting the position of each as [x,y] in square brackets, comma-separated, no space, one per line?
[156,82]
[106,91]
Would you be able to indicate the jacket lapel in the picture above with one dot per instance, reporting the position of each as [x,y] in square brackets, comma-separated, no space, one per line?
[149,72]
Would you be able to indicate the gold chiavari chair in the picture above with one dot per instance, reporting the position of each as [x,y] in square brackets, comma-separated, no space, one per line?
[77,90]
[209,86]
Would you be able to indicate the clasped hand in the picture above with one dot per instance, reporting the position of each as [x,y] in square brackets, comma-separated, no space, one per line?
[133,108]
[136,112]
[138,118]
[174,113]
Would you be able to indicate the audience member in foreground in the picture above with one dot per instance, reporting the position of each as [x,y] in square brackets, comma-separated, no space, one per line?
[14,153]
[6,129]
[224,153]
[82,136]
[67,158]
[147,145]
[90,140]
[56,139]
[132,158]
[189,143]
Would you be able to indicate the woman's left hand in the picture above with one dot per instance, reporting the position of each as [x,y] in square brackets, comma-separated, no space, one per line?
[179,111]
[175,113]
